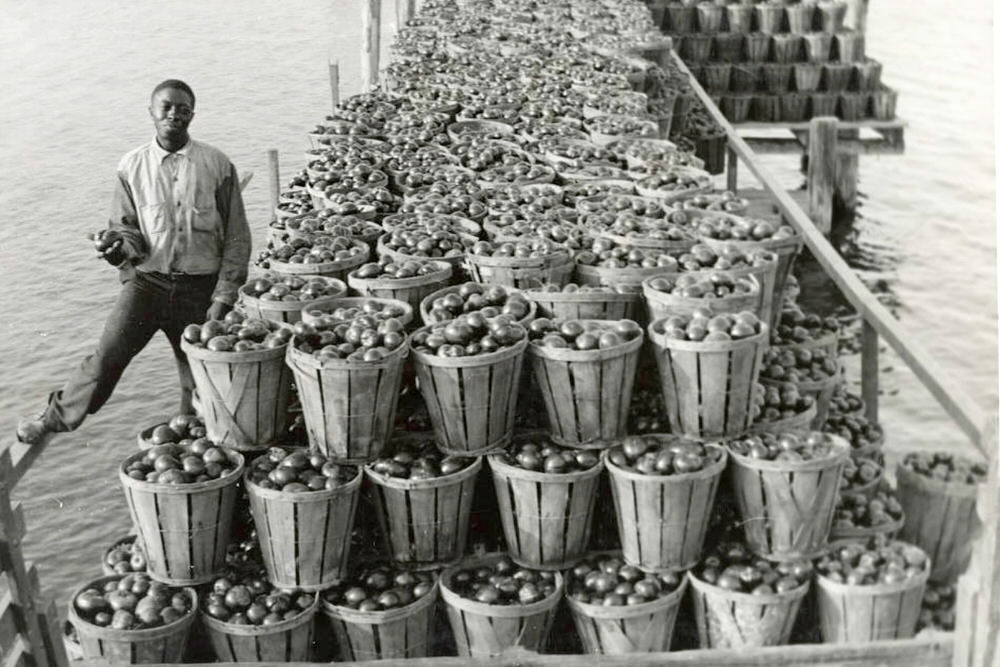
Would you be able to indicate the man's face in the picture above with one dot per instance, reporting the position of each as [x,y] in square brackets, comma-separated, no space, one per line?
[171,110]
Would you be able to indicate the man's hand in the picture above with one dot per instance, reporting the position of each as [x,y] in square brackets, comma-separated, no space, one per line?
[108,244]
[218,310]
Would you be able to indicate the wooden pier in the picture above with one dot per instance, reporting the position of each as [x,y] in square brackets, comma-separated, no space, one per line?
[29,634]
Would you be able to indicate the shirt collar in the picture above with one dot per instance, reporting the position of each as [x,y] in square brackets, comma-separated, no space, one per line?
[161,154]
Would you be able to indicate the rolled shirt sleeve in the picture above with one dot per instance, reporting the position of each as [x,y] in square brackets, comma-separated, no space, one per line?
[236,239]
[125,220]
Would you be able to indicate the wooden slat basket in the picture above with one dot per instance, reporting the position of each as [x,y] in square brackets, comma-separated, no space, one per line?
[587,393]
[305,538]
[800,423]
[733,619]
[425,522]
[786,249]
[663,519]
[244,394]
[165,644]
[472,401]
[408,290]
[484,630]
[287,312]
[766,275]
[940,519]
[520,272]
[821,391]
[641,628]
[708,385]
[184,528]
[348,406]
[856,614]
[286,641]
[546,517]
[426,305]
[586,305]
[404,632]
[787,507]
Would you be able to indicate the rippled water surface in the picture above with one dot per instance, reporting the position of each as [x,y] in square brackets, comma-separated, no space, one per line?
[76,78]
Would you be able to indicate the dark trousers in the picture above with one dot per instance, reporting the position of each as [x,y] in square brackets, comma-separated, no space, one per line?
[148,302]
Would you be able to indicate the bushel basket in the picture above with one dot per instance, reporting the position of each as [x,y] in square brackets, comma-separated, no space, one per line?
[160,645]
[286,641]
[661,304]
[408,290]
[305,538]
[641,628]
[708,385]
[546,518]
[349,406]
[244,394]
[472,401]
[663,519]
[733,619]
[425,522]
[184,528]
[587,393]
[787,507]
[403,632]
[484,630]
[286,312]
[586,305]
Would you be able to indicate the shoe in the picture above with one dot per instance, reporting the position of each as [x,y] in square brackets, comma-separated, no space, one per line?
[33,431]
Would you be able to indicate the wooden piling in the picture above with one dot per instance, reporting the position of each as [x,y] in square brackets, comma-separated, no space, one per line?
[846,184]
[371,46]
[732,170]
[335,83]
[822,170]
[274,181]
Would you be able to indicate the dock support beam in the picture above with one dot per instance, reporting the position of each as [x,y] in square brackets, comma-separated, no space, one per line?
[732,170]
[273,181]
[822,170]
[372,45]
[869,370]
[846,187]
[335,84]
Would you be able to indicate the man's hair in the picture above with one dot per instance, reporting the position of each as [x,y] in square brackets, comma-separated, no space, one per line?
[176,84]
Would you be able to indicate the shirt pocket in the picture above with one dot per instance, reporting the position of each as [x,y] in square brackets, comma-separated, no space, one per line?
[205,216]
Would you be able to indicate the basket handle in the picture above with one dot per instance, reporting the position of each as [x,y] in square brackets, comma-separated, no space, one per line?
[236,389]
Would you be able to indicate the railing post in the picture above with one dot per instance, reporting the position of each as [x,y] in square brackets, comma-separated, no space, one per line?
[846,190]
[334,68]
[274,181]
[371,46]
[822,170]
[869,370]
[732,169]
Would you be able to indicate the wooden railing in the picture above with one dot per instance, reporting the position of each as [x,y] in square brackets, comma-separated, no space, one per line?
[877,321]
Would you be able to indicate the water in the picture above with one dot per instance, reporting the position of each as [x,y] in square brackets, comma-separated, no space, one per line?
[77,77]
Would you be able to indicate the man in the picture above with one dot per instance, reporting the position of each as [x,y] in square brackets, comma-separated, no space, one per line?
[178,234]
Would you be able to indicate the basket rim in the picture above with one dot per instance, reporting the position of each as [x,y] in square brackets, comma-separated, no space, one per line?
[538,296]
[85,627]
[306,616]
[349,615]
[467,362]
[448,289]
[836,538]
[184,489]
[382,249]
[666,299]
[435,482]
[323,495]
[661,340]
[739,596]
[830,586]
[924,483]
[296,358]
[453,599]
[443,270]
[839,453]
[499,467]
[584,356]
[807,385]
[805,417]
[600,612]
[714,470]
[291,306]
[547,261]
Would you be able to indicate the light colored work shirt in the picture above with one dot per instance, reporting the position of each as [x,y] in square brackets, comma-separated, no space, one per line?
[182,212]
